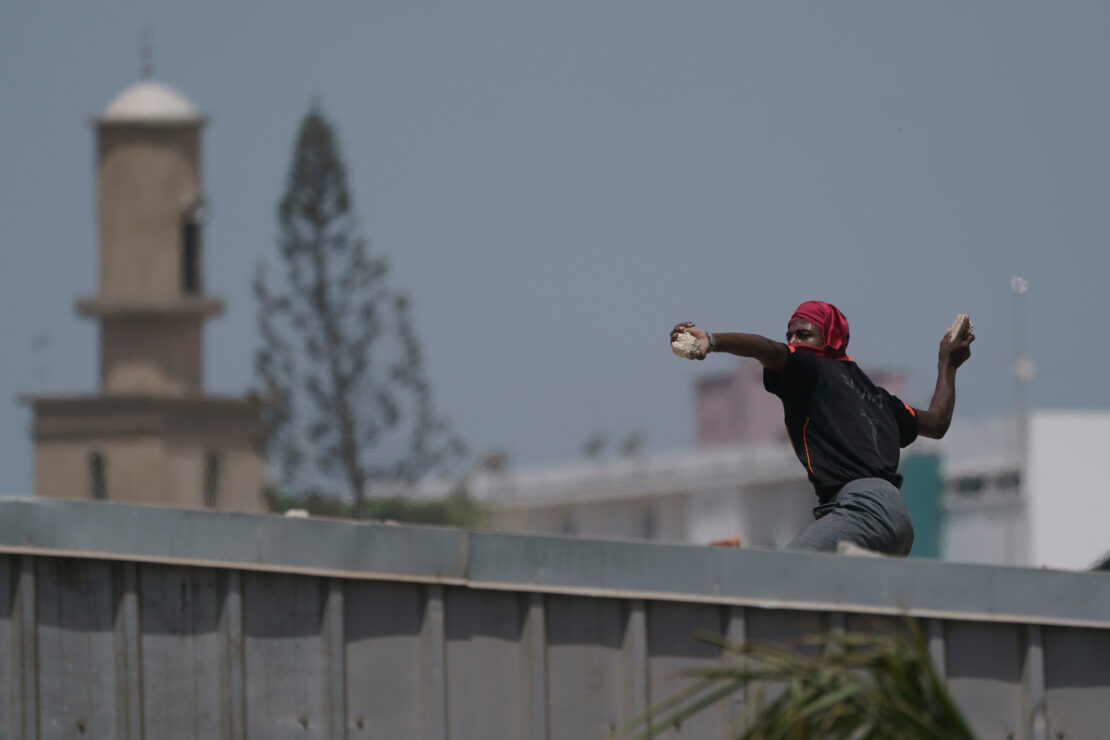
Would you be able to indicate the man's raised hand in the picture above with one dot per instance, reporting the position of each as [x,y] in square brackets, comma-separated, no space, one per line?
[687,327]
[955,346]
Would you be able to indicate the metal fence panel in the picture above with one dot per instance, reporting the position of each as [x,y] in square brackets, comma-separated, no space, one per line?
[283,655]
[779,625]
[673,650]
[23,659]
[405,632]
[1077,682]
[76,649]
[385,685]
[984,672]
[589,662]
[487,663]
[9,671]
[182,646]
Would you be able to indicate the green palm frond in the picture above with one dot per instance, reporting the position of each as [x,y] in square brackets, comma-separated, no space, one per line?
[830,686]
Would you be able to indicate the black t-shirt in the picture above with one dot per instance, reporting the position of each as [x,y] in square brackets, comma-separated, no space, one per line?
[843,426]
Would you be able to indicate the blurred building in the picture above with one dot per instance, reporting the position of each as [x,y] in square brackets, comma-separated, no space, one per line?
[1049,511]
[971,497]
[758,493]
[151,435]
[743,480]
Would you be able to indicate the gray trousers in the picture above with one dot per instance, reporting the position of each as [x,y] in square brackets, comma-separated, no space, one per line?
[868,512]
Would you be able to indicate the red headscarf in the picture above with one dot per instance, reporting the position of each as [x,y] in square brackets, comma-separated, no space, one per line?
[833,326]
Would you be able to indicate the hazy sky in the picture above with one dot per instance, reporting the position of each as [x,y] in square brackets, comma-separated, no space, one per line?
[557,184]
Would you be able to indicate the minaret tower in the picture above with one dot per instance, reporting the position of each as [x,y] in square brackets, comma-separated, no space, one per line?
[151,305]
[151,435]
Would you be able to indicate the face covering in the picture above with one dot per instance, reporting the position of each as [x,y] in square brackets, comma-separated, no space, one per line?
[833,326]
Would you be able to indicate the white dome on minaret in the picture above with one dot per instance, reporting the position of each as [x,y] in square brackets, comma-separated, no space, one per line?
[152,102]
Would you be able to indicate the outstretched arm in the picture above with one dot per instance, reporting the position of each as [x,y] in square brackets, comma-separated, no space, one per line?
[934,422]
[771,354]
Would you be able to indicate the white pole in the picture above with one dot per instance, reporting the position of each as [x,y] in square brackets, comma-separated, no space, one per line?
[1018,540]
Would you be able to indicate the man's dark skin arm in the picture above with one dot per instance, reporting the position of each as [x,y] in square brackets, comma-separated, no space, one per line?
[934,421]
[771,354]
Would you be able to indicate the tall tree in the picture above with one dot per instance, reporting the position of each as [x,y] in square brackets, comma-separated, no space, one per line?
[340,364]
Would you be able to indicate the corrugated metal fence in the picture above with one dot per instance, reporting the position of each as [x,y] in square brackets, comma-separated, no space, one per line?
[127,622]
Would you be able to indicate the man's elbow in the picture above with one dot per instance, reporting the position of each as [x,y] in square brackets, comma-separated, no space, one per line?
[932,427]
[931,433]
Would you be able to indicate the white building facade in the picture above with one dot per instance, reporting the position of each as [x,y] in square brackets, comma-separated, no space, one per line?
[1049,511]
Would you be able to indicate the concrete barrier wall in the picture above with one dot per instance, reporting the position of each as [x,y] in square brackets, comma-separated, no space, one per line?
[131,622]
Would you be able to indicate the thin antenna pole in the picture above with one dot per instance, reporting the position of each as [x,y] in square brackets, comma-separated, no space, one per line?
[1017,541]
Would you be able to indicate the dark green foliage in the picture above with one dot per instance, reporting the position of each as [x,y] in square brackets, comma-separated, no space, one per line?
[340,366]
[858,686]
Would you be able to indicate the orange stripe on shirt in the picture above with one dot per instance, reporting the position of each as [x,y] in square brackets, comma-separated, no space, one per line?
[912,412]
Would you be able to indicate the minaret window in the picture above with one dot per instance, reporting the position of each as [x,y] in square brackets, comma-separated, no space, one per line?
[191,254]
[190,249]
[98,477]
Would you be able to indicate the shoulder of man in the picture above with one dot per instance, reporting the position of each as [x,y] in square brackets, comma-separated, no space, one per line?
[800,371]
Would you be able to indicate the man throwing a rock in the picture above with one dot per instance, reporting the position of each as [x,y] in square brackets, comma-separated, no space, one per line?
[846,431]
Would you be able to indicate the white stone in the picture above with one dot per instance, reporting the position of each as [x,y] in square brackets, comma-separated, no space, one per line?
[685,345]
